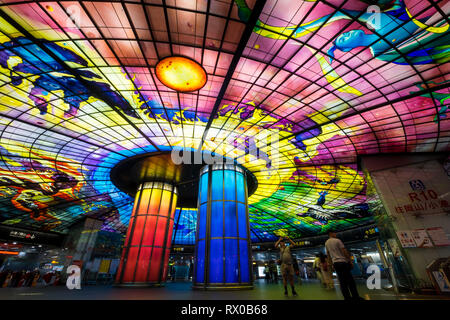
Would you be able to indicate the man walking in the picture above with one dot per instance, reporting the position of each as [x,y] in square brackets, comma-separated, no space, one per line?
[287,269]
[343,264]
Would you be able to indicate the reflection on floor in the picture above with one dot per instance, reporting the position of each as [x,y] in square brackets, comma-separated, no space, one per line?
[309,290]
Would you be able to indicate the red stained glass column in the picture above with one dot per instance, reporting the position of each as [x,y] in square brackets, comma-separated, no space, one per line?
[146,250]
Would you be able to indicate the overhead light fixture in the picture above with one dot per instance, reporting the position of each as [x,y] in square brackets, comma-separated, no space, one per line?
[181,74]
[13,253]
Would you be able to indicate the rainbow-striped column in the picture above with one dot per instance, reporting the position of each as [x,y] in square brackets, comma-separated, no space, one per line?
[146,250]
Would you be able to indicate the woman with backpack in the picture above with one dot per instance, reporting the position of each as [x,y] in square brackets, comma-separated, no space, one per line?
[316,267]
[326,271]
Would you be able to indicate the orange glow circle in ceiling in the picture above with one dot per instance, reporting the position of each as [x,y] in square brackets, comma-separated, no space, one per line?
[181,74]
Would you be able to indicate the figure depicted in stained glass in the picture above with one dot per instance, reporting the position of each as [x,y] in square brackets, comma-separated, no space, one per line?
[396,37]
[23,59]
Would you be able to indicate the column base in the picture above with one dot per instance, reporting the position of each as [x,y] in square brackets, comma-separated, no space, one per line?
[139,285]
[222,288]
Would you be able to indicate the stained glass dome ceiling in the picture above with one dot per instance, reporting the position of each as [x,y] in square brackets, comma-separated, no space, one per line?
[332,80]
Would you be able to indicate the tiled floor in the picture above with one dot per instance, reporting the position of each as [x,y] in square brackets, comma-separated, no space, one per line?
[309,290]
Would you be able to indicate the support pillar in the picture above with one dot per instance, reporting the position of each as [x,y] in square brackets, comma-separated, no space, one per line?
[146,249]
[223,246]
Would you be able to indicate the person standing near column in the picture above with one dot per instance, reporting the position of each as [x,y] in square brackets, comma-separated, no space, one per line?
[316,267]
[339,256]
[325,270]
[287,269]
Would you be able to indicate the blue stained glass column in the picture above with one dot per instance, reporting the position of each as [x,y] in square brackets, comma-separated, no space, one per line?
[222,251]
